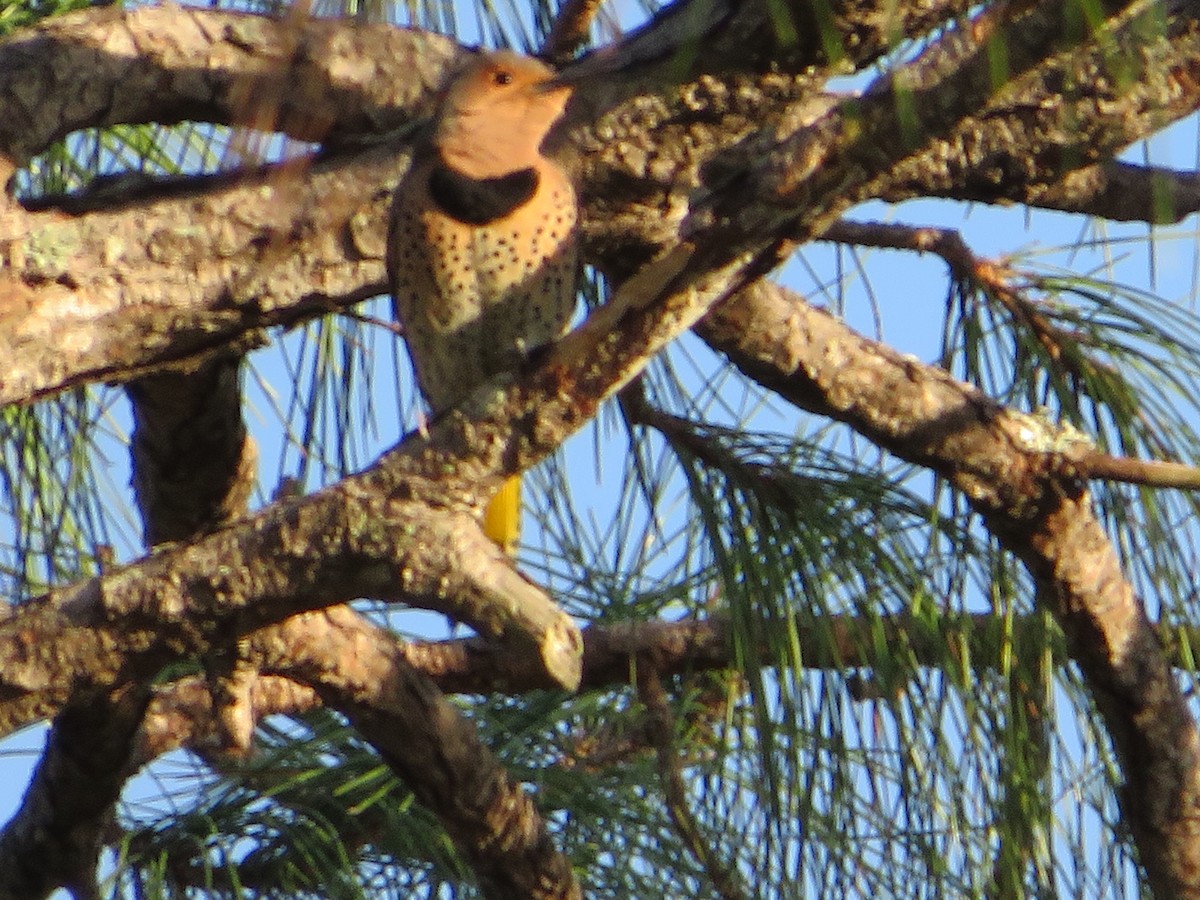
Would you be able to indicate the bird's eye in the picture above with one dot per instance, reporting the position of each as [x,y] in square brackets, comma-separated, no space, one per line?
[502,77]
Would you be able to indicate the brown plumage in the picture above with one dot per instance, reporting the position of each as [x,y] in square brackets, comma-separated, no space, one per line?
[482,253]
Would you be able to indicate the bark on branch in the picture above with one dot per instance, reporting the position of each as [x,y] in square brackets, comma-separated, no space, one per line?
[307,78]
[1006,465]
[227,258]
[357,539]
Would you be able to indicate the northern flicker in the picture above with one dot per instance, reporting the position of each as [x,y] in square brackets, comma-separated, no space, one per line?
[482,257]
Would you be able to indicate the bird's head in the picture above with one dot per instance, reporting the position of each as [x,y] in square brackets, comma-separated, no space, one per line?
[496,113]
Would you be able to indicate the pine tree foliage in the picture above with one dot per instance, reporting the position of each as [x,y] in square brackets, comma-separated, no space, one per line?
[900,709]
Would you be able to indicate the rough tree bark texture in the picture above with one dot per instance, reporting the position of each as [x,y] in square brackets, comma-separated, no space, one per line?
[716,171]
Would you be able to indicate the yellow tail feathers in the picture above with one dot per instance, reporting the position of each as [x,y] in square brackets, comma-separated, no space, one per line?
[502,518]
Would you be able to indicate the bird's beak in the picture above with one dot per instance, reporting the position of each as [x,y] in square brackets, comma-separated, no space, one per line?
[556,83]
[597,64]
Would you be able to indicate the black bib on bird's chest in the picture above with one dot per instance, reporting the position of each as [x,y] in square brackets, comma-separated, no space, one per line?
[478,201]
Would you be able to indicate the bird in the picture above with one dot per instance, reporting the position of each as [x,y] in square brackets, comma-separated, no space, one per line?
[482,254]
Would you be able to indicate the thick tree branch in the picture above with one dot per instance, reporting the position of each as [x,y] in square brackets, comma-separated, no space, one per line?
[437,752]
[1122,192]
[307,78]
[610,654]
[687,39]
[1008,468]
[177,280]
[193,462]
[357,539]
[207,285]
[54,839]
[899,121]
[313,78]
[1047,139]
[193,471]
[181,714]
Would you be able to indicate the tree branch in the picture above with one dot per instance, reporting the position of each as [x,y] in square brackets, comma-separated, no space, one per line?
[258,268]
[54,839]
[180,714]
[437,753]
[356,539]
[194,465]
[193,471]
[661,733]
[1123,192]
[1092,463]
[304,77]
[1037,144]
[1003,464]
[195,274]
[571,28]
